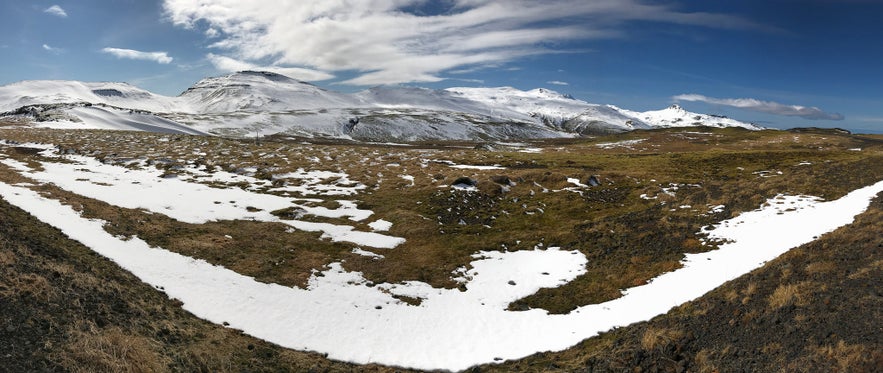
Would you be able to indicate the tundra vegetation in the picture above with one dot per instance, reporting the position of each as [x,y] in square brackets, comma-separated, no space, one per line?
[632,203]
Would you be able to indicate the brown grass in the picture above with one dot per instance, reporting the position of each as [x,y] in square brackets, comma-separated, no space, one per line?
[866,271]
[601,223]
[786,295]
[658,338]
[749,291]
[820,267]
[628,240]
[6,258]
[848,357]
[29,285]
[91,349]
[705,362]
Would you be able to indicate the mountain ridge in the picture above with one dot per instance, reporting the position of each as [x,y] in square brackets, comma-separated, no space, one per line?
[256,102]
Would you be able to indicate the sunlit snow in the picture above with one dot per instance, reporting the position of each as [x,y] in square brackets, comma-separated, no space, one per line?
[341,315]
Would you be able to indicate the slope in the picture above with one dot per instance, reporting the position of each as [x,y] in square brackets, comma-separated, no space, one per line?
[252,102]
[255,91]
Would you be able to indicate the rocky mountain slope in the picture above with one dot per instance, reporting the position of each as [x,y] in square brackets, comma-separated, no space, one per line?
[249,103]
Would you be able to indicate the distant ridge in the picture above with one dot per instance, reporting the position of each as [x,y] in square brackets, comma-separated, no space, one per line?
[259,102]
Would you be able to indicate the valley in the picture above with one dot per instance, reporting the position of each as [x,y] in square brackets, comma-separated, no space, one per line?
[475,234]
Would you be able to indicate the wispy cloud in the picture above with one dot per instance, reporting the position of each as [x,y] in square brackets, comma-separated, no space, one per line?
[56,10]
[806,112]
[476,81]
[385,43]
[228,64]
[158,57]
[557,82]
[52,49]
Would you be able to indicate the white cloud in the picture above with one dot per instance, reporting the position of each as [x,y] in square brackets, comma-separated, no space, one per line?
[52,49]
[228,64]
[158,57]
[386,44]
[557,82]
[769,107]
[56,10]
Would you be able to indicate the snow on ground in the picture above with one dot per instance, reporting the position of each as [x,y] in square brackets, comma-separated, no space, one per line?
[380,225]
[476,167]
[408,178]
[339,314]
[470,167]
[620,144]
[362,252]
[715,209]
[196,203]
[576,182]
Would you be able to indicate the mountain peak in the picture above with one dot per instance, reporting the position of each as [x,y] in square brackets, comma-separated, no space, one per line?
[676,107]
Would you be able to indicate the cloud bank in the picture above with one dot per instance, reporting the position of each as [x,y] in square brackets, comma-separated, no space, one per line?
[56,10]
[158,57]
[402,41]
[768,107]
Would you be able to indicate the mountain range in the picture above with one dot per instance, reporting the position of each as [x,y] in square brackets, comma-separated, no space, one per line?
[249,103]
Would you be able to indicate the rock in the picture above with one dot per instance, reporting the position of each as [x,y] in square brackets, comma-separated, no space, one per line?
[464,181]
[593,181]
[502,180]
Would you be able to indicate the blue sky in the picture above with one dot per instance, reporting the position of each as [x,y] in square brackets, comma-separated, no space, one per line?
[780,63]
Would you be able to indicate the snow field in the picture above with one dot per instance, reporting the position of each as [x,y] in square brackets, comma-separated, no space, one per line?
[196,203]
[341,315]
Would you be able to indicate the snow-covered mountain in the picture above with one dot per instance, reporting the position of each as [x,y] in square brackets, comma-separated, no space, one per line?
[258,91]
[550,107]
[676,116]
[249,102]
[32,92]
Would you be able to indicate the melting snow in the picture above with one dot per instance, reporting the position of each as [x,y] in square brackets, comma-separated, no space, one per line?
[620,144]
[197,203]
[359,251]
[341,315]
[474,167]
[380,225]
[576,182]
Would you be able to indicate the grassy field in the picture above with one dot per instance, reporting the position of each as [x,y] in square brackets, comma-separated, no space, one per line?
[71,310]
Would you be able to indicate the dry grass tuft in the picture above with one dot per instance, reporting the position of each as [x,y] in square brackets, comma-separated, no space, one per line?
[111,350]
[658,338]
[6,258]
[785,295]
[28,284]
[864,272]
[704,362]
[749,291]
[848,358]
[798,294]
[820,267]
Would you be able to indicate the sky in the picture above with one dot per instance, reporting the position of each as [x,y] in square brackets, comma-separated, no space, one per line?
[777,63]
